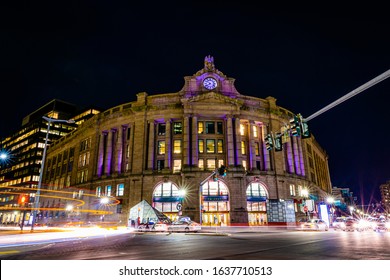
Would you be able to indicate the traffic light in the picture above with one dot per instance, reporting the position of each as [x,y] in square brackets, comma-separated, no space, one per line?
[305,130]
[222,171]
[295,126]
[268,142]
[278,142]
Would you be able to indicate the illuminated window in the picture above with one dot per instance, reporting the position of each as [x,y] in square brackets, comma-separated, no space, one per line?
[242,129]
[220,146]
[177,128]
[243,148]
[200,128]
[161,147]
[292,190]
[257,148]
[256,189]
[255,132]
[120,189]
[210,146]
[98,191]
[108,190]
[176,165]
[299,190]
[244,164]
[211,164]
[177,146]
[201,164]
[201,146]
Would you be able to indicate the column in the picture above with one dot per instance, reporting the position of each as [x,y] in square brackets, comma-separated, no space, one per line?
[194,137]
[100,155]
[229,142]
[238,141]
[168,145]
[186,141]
[119,151]
[108,157]
[151,146]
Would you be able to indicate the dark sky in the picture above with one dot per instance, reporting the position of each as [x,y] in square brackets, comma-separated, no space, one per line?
[102,53]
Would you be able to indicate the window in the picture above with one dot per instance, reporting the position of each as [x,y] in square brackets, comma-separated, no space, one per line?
[176,165]
[108,190]
[98,191]
[160,165]
[256,189]
[177,146]
[161,129]
[292,190]
[219,128]
[201,146]
[210,146]
[210,128]
[201,164]
[177,128]
[220,146]
[242,129]
[243,148]
[257,148]
[255,131]
[161,147]
[200,128]
[120,189]
[244,164]
[211,164]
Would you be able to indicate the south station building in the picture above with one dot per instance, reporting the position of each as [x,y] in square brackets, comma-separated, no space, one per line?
[167,149]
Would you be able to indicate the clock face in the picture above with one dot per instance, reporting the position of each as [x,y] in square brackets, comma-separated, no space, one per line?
[210,83]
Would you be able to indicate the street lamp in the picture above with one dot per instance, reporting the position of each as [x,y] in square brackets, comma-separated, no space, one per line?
[36,201]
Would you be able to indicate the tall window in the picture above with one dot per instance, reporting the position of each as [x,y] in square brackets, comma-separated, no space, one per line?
[201,146]
[108,190]
[177,128]
[210,128]
[200,128]
[98,191]
[211,164]
[210,146]
[243,148]
[220,146]
[120,189]
[176,165]
[161,129]
[257,148]
[255,131]
[219,128]
[161,147]
[177,146]
[201,164]
[292,190]
[242,129]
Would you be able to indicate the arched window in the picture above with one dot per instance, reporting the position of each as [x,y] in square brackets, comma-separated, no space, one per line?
[256,196]
[165,197]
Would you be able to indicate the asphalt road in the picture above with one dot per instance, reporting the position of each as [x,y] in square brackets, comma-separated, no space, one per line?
[213,245]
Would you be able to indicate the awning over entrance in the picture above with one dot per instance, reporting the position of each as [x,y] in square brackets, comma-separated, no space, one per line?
[143,213]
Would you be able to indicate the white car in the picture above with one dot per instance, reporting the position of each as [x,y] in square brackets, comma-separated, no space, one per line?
[315,224]
[184,226]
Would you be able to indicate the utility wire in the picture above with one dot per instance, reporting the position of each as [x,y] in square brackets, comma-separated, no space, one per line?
[367,85]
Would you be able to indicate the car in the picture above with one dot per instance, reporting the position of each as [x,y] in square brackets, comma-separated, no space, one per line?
[315,224]
[350,225]
[381,225]
[184,226]
[338,223]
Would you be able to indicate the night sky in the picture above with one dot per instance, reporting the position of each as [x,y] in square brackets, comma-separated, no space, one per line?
[101,54]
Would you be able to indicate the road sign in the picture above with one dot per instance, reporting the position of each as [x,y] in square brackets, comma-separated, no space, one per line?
[179,206]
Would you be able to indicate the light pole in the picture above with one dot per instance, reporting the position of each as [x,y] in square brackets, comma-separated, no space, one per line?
[36,201]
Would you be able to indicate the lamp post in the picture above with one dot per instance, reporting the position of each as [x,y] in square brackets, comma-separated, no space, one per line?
[36,201]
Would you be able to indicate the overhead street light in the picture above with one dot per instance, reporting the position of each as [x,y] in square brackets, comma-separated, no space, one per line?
[36,200]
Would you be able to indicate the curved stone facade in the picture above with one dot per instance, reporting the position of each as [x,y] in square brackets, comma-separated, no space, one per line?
[155,147]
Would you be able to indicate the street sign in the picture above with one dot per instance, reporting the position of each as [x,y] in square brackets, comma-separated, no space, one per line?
[305,209]
[179,206]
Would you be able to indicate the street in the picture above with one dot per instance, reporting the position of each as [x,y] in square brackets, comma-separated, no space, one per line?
[215,244]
